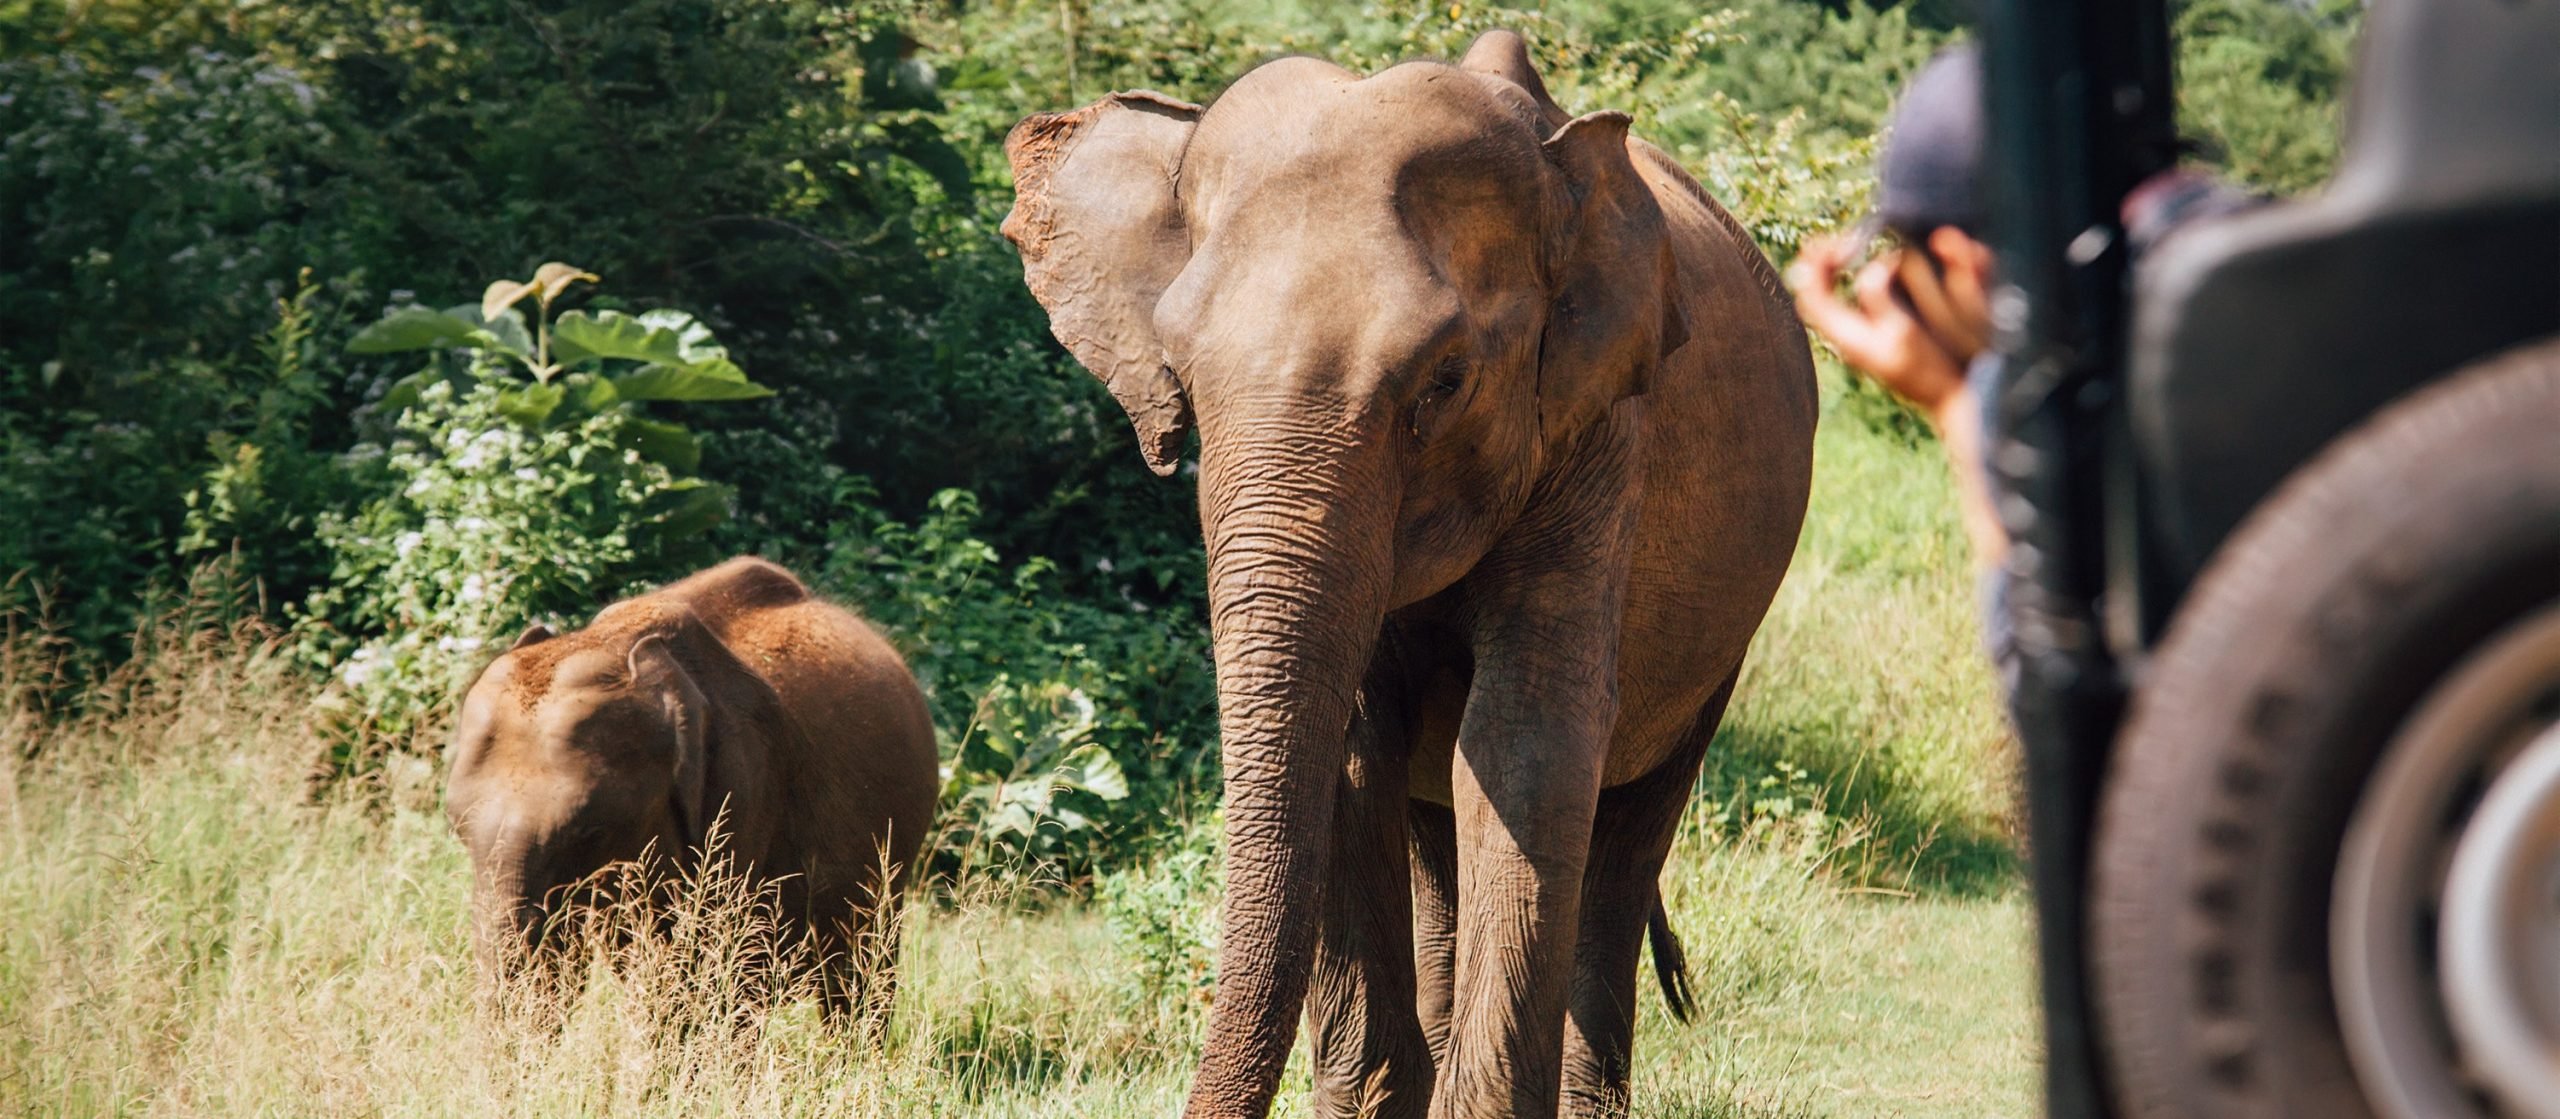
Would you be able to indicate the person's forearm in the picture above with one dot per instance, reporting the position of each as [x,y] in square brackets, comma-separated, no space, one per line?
[1958,418]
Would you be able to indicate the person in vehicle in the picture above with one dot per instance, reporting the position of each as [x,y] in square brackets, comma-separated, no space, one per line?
[1919,315]
[1918,319]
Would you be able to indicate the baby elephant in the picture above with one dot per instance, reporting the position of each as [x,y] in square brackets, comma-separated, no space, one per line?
[736,691]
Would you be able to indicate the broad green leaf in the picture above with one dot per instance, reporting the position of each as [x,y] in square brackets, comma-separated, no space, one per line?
[721,368]
[995,732]
[1014,819]
[403,393]
[693,339]
[1092,769]
[662,443]
[505,331]
[414,328]
[579,336]
[688,509]
[718,380]
[531,405]
[596,392]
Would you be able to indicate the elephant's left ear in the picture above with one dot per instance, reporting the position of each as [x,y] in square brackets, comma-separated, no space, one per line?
[1102,236]
[1616,311]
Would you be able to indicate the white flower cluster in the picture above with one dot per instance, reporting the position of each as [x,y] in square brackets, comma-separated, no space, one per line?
[494,520]
[360,667]
[479,451]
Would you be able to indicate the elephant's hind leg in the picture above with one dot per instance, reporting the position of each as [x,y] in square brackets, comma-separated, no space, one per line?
[1631,838]
[1370,1056]
[856,956]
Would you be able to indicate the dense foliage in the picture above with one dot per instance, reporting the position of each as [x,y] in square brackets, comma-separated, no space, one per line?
[524,481]
[215,218]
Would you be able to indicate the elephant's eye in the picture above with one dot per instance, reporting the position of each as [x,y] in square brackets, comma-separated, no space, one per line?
[1446,378]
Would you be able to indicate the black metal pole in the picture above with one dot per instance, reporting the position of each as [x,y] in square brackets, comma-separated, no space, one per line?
[2078,112]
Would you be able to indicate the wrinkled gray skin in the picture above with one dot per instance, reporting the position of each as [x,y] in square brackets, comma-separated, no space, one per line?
[733,690]
[1505,436]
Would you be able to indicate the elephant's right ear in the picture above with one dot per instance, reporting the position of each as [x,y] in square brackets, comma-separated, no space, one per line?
[534,634]
[1101,237]
[652,667]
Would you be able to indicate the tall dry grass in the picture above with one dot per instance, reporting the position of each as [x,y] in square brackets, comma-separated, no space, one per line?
[185,928]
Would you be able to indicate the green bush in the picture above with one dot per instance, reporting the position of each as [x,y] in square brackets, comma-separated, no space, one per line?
[80,530]
[1069,726]
[147,229]
[778,168]
[265,487]
[487,527]
[504,499]
[103,507]
[1164,913]
[2261,82]
[153,213]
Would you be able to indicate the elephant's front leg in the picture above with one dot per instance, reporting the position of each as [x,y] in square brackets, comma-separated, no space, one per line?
[1370,1056]
[1526,780]
[1433,842]
[1631,838]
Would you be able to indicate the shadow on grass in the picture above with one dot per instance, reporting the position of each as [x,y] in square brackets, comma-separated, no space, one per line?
[986,1053]
[1902,834]
[1723,1103]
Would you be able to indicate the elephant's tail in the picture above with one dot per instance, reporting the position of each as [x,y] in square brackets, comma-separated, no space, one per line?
[1670,963]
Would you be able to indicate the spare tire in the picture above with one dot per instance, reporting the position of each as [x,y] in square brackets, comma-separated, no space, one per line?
[2249,960]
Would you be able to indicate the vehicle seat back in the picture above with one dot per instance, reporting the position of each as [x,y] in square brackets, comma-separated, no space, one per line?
[2260,337]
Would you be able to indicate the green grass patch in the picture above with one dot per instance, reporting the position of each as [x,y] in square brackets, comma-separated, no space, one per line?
[1868,722]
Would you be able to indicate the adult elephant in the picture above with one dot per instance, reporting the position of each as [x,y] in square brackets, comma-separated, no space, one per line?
[1505,434]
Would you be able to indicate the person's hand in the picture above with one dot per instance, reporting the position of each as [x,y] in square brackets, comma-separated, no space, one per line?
[1916,350]
[1878,335]
[1945,286]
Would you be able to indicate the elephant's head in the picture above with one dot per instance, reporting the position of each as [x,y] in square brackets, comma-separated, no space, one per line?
[1388,305]
[573,754]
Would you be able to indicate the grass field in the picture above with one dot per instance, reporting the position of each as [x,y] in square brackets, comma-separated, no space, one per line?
[183,931]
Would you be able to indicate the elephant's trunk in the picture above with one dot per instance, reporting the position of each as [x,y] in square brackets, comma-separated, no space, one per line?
[510,901]
[1298,519]
[505,920]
